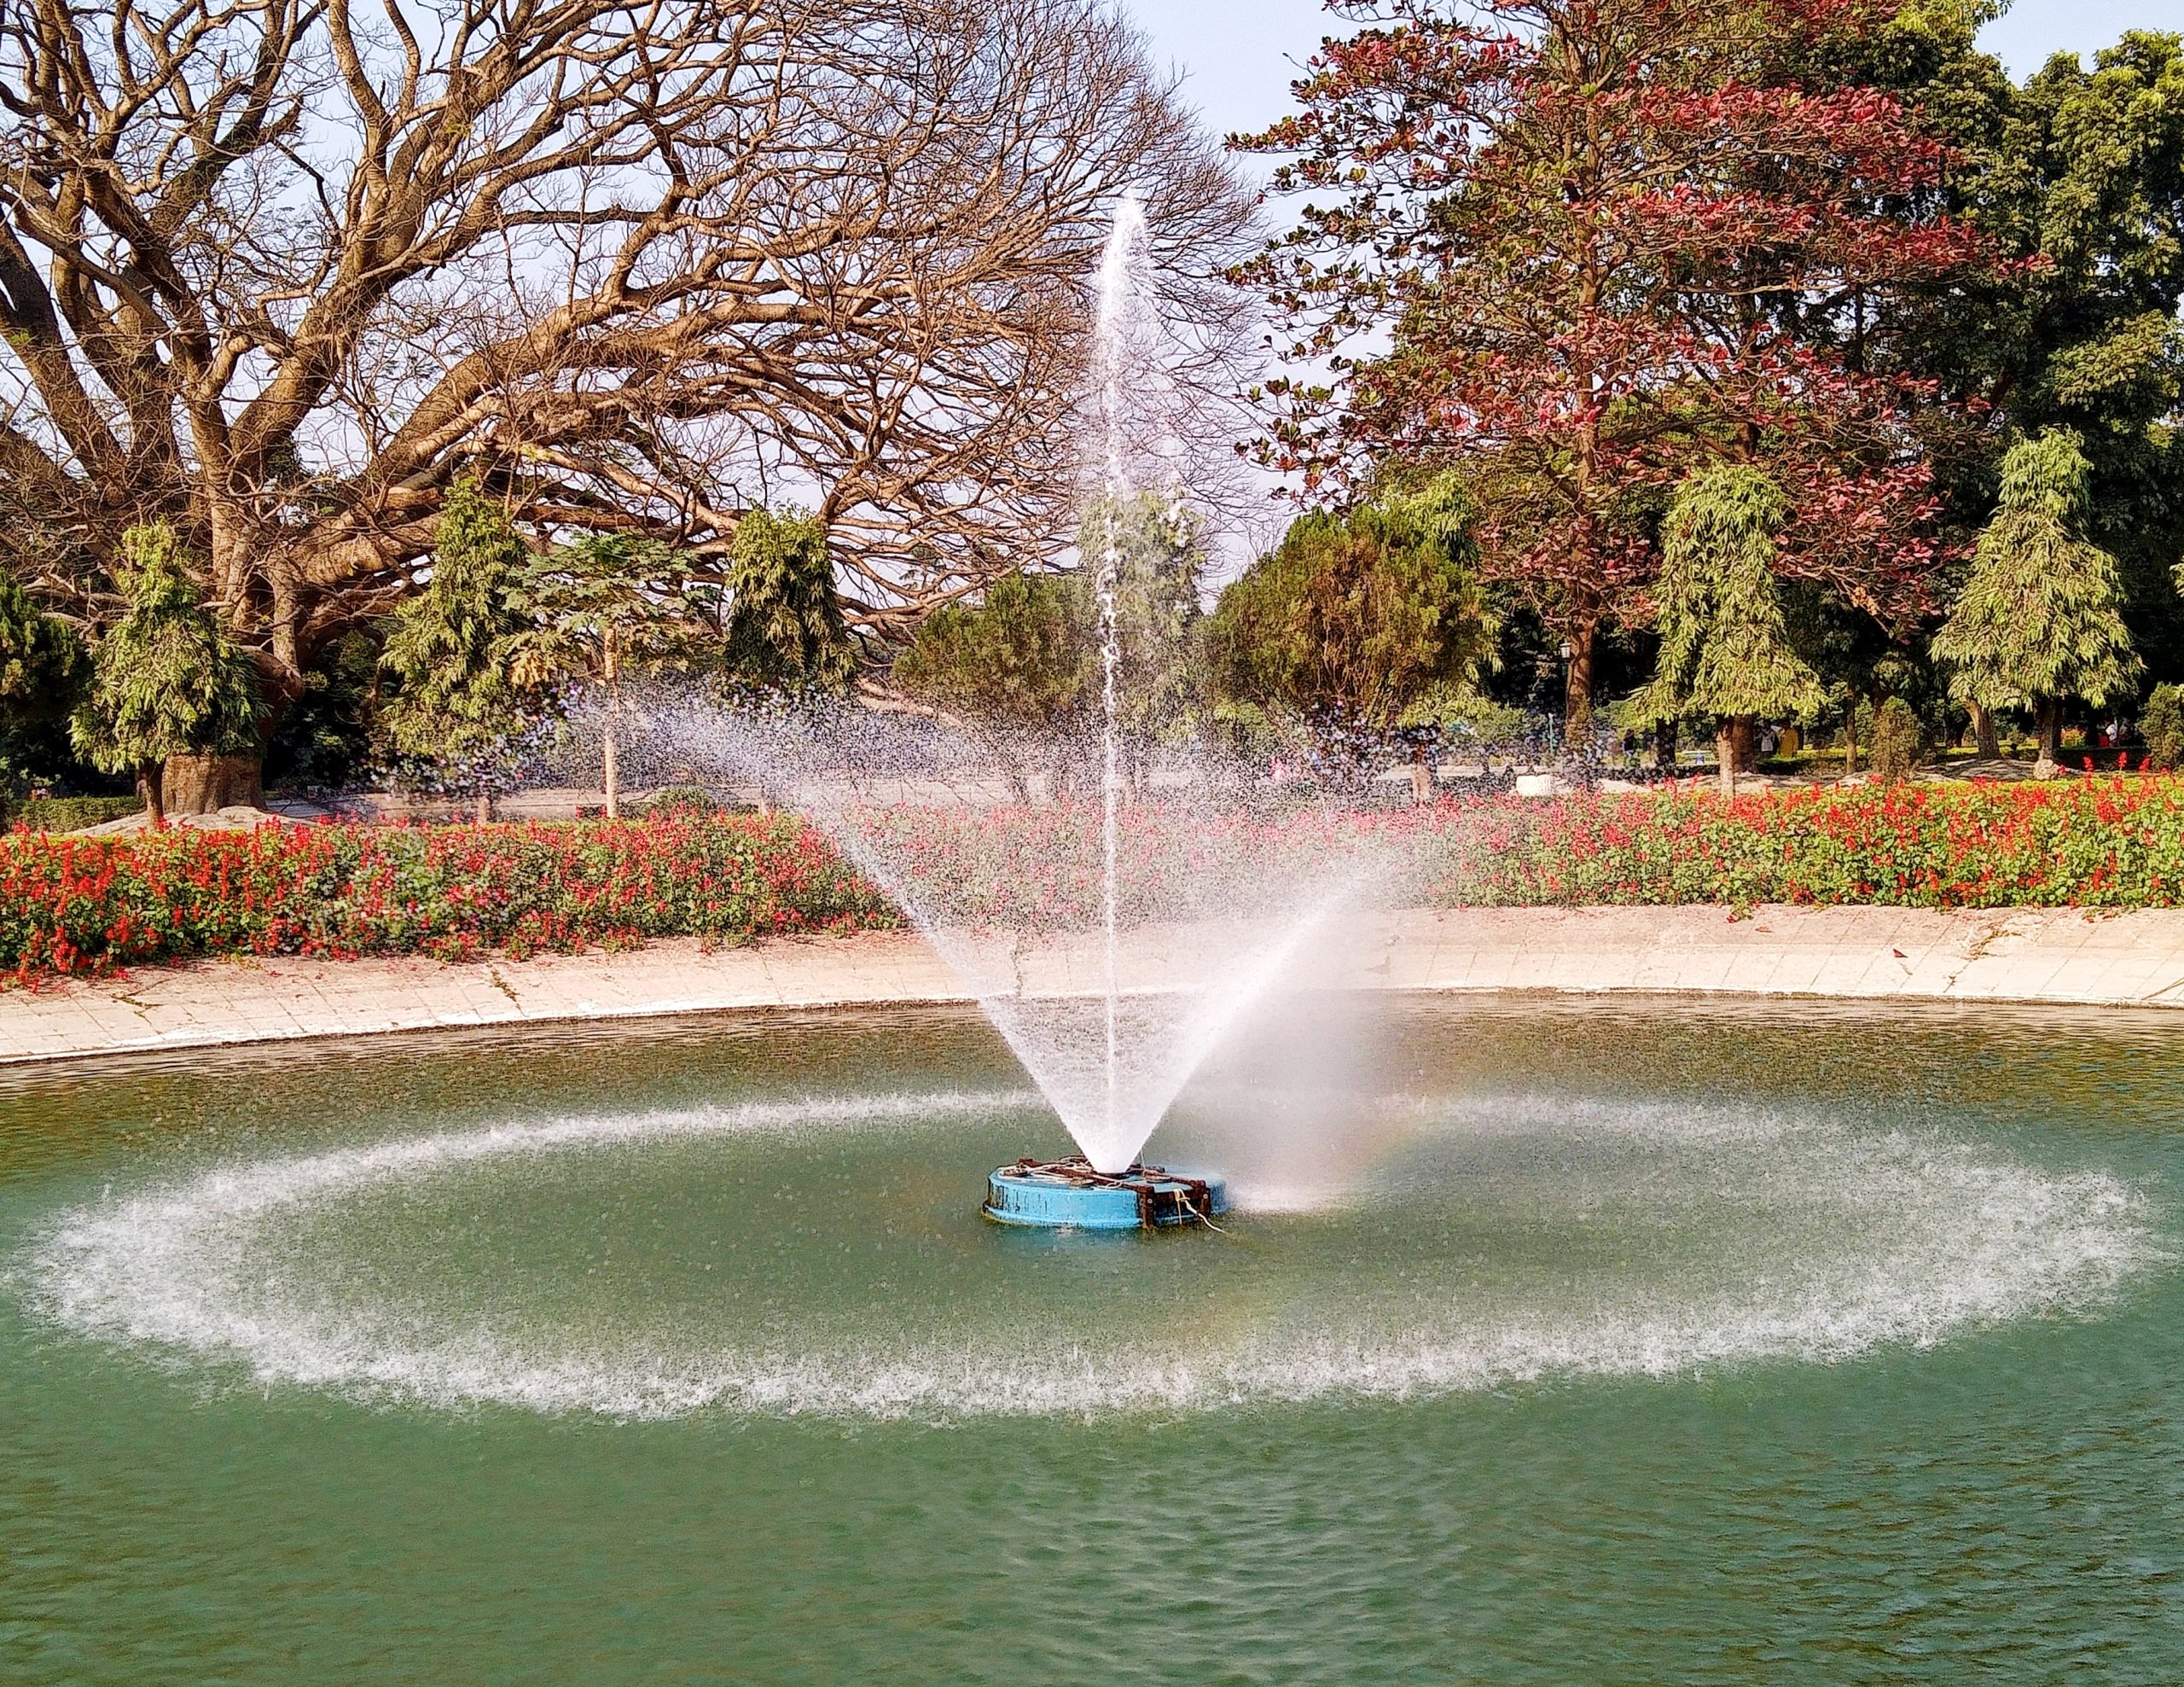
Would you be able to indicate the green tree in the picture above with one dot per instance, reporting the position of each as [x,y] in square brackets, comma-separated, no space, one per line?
[2076,175]
[1160,690]
[41,669]
[2040,618]
[329,735]
[1022,662]
[1725,642]
[1353,618]
[1898,739]
[2162,724]
[601,609]
[166,679]
[459,708]
[785,629]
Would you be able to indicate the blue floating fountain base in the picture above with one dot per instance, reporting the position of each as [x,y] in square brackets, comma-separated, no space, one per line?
[1068,1194]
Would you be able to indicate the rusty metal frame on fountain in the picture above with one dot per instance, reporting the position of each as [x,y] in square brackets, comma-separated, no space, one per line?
[1164,1197]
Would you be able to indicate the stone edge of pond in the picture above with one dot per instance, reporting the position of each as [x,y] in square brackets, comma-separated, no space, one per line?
[2023,956]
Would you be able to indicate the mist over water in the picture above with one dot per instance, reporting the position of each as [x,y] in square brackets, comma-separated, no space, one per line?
[1509,1238]
[1112,965]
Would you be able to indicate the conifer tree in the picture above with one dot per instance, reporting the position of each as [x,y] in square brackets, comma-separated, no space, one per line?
[2040,618]
[166,680]
[1725,642]
[1898,740]
[460,705]
[786,630]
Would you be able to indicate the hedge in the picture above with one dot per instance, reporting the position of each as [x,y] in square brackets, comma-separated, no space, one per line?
[72,905]
[2077,843]
[70,814]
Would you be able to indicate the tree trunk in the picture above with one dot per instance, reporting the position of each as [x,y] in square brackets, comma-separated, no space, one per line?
[2048,713]
[149,778]
[1421,777]
[1577,693]
[1664,747]
[1736,749]
[1743,742]
[204,784]
[1982,728]
[1850,736]
[484,810]
[610,772]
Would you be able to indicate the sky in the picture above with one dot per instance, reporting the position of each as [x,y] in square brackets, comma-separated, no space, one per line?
[1240,56]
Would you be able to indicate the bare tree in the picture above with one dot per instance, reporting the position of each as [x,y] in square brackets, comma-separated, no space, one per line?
[278,270]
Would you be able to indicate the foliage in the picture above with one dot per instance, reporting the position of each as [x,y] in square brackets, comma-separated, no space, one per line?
[459,708]
[2163,726]
[1159,682]
[1899,740]
[1353,619]
[2041,615]
[41,668]
[603,607]
[684,801]
[73,904]
[2077,176]
[1460,716]
[329,736]
[166,679]
[1021,659]
[1725,644]
[786,630]
[1581,249]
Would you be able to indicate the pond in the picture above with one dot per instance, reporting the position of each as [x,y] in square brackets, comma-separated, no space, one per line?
[1553,1340]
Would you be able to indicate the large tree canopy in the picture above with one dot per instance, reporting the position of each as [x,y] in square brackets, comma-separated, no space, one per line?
[1574,246]
[2076,175]
[279,271]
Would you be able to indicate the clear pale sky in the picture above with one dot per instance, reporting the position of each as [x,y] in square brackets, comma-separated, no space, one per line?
[1240,56]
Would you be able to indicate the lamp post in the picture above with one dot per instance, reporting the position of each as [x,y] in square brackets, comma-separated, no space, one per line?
[1568,651]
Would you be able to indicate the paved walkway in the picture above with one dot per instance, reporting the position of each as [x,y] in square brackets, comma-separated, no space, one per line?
[1872,953]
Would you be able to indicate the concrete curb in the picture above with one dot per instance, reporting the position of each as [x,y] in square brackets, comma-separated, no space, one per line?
[1869,954]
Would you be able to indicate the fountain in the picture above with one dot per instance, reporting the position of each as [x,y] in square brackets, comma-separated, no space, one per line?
[1078,1193]
[1113,946]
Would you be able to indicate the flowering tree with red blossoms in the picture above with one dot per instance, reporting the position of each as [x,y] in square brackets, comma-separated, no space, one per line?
[1577,250]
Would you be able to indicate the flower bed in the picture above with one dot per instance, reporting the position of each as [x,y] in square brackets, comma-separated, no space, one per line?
[73,904]
[2091,843]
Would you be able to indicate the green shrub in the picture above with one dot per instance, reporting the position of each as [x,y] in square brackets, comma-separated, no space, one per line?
[2163,726]
[70,814]
[1898,740]
[682,800]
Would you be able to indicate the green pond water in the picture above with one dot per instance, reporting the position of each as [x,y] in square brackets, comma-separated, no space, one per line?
[1556,1341]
